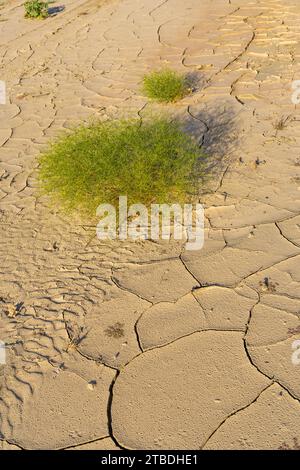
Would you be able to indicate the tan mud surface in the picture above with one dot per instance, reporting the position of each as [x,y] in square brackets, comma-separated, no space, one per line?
[146,345]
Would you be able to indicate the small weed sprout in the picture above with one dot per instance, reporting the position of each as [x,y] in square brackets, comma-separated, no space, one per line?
[76,334]
[165,86]
[36,9]
[115,331]
[282,123]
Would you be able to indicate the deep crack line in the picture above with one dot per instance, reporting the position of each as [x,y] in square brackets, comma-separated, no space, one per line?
[246,347]
[236,412]
[157,8]
[287,239]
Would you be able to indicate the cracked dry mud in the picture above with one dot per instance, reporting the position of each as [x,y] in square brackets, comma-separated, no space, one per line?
[145,345]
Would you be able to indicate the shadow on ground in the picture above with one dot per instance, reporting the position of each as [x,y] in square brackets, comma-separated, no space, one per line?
[53,11]
[195,81]
[215,128]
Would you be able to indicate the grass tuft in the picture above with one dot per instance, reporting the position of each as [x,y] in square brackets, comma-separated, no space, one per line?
[165,86]
[36,9]
[155,162]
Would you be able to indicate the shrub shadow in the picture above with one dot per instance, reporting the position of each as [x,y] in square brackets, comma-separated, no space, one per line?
[215,129]
[195,81]
[53,11]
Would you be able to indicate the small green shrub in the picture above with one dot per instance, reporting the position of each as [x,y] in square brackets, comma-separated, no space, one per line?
[36,9]
[154,162]
[165,86]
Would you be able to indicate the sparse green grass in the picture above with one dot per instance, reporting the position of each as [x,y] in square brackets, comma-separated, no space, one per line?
[165,86]
[155,162]
[36,9]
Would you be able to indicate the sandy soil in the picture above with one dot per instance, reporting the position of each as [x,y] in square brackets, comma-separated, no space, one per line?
[144,345]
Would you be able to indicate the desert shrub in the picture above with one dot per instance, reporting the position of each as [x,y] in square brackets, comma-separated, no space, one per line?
[165,85]
[36,9]
[153,162]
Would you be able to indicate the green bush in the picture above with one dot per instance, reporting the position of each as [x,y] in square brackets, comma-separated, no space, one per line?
[36,9]
[153,162]
[165,86]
